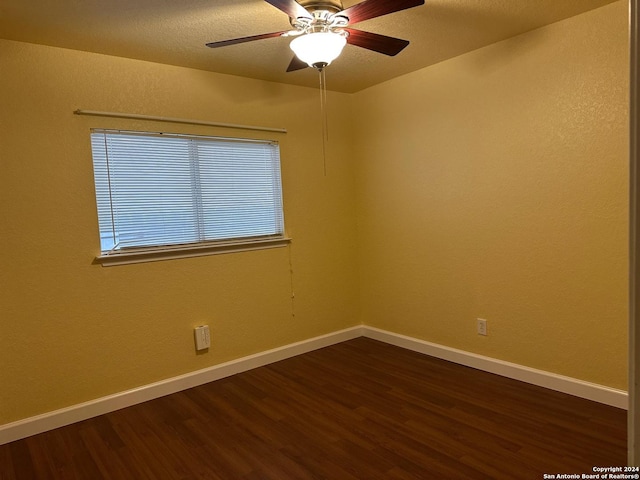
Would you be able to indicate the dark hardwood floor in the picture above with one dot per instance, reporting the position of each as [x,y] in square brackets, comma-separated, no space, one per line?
[357,410]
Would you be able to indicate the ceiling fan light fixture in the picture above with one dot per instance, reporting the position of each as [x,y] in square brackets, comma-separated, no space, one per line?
[318,49]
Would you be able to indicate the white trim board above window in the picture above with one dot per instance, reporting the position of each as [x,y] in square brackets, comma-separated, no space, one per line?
[168,195]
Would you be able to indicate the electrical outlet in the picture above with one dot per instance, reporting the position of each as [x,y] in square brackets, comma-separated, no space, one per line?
[202,337]
[481,325]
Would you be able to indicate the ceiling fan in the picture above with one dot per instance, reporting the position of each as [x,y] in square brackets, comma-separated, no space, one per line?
[321,28]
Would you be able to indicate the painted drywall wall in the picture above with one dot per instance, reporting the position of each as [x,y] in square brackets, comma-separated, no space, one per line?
[494,185]
[71,330]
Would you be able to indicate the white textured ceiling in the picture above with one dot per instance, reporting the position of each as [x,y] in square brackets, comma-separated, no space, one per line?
[175,33]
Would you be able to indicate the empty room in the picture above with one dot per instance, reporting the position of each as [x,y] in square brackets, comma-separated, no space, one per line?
[225,258]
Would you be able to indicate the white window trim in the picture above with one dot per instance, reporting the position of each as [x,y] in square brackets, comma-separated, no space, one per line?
[155,254]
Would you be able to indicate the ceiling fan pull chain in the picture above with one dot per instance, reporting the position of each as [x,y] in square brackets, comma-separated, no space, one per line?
[323,114]
[325,102]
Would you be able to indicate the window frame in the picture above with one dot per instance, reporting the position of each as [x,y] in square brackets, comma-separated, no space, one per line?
[150,253]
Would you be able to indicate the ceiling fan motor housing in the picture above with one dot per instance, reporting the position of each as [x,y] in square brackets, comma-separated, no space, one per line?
[323,19]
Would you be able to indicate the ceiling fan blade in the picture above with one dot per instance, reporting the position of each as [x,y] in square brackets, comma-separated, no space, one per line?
[234,41]
[291,8]
[296,64]
[377,8]
[373,41]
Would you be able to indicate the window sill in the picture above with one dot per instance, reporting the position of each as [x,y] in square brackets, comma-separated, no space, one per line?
[171,253]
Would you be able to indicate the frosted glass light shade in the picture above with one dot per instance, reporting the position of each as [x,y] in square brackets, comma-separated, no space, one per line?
[318,49]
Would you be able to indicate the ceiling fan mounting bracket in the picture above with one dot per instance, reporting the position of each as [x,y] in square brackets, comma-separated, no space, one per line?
[333,6]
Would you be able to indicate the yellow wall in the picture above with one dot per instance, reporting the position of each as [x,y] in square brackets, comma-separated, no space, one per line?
[71,331]
[494,185]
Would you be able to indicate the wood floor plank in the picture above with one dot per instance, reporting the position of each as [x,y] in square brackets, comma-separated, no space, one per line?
[358,410]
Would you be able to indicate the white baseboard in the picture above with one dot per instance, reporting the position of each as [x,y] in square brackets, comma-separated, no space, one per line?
[76,413]
[560,383]
[59,418]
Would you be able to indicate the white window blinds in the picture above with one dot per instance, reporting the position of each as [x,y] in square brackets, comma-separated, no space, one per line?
[156,190]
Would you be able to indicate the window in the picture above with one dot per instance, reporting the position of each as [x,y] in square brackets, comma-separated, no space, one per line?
[161,192]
